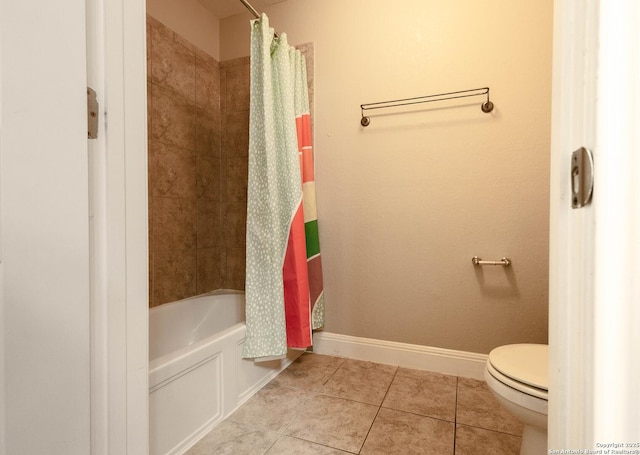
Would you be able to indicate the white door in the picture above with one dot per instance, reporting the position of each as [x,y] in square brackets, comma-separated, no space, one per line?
[73,256]
[594,397]
[45,234]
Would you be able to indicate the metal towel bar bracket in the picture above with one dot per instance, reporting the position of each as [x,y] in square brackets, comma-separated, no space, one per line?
[505,262]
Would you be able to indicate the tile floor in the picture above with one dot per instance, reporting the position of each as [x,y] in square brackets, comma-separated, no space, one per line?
[324,405]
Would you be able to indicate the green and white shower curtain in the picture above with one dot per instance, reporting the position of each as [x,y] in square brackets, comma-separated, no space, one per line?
[284,299]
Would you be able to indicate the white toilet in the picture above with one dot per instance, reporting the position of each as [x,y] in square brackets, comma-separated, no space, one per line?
[517,374]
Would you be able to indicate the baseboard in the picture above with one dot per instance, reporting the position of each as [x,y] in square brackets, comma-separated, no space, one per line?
[446,361]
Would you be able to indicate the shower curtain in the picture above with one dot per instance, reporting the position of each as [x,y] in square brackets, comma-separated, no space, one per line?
[284,299]
[307,164]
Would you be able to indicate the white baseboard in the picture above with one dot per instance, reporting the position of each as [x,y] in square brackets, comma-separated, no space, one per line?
[446,361]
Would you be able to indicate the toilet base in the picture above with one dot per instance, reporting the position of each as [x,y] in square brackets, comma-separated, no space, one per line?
[534,441]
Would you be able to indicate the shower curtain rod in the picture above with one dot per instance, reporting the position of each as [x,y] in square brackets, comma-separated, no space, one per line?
[251,8]
[255,13]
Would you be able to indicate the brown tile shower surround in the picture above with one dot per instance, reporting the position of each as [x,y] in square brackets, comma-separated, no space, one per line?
[324,405]
[198,111]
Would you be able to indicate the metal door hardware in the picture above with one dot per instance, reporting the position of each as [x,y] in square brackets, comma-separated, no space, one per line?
[581,177]
[92,113]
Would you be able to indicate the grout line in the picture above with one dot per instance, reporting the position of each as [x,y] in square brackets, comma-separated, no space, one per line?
[389,387]
[455,417]
[333,374]
[319,444]
[493,431]
[272,444]
[418,415]
[379,407]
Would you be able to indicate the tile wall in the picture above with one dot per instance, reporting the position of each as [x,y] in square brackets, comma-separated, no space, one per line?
[197,173]
[234,103]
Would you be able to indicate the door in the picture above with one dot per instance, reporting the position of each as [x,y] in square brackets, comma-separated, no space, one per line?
[45,235]
[73,256]
[594,286]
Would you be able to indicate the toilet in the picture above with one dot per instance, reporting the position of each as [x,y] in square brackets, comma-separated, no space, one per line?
[517,374]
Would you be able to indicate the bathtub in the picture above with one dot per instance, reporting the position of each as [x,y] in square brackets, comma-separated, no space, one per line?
[197,376]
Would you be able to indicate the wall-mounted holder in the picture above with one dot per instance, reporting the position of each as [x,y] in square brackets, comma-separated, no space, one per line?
[486,107]
[505,262]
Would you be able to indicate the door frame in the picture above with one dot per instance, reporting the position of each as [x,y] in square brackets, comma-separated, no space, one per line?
[584,271]
[119,232]
[571,237]
[593,287]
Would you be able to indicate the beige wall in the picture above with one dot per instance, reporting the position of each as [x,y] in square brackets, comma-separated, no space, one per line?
[405,203]
[191,20]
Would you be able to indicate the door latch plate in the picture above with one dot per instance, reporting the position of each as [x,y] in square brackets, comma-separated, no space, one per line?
[581,177]
[92,113]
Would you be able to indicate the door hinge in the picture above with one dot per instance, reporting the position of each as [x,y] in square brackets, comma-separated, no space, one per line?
[92,113]
[581,177]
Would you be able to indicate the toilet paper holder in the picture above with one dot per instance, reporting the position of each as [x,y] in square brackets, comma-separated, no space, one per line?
[505,262]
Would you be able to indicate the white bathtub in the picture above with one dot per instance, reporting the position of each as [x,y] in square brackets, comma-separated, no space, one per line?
[197,376]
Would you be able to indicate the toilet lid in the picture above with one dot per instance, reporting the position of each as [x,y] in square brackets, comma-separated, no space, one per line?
[526,363]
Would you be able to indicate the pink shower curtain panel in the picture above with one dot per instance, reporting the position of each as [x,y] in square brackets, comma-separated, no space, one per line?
[297,308]
[314,260]
[302,272]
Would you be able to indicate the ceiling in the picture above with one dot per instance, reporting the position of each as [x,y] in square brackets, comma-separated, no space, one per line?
[226,8]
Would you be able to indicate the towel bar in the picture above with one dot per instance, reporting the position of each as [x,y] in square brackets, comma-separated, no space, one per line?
[486,107]
[505,262]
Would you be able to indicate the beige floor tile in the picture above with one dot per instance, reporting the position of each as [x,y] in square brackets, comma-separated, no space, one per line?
[292,446]
[478,407]
[334,422]
[309,372]
[422,396]
[355,380]
[233,438]
[471,441]
[396,432]
[272,408]
[289,417]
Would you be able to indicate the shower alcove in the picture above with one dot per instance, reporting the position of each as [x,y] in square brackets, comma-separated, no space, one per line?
[198,135]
